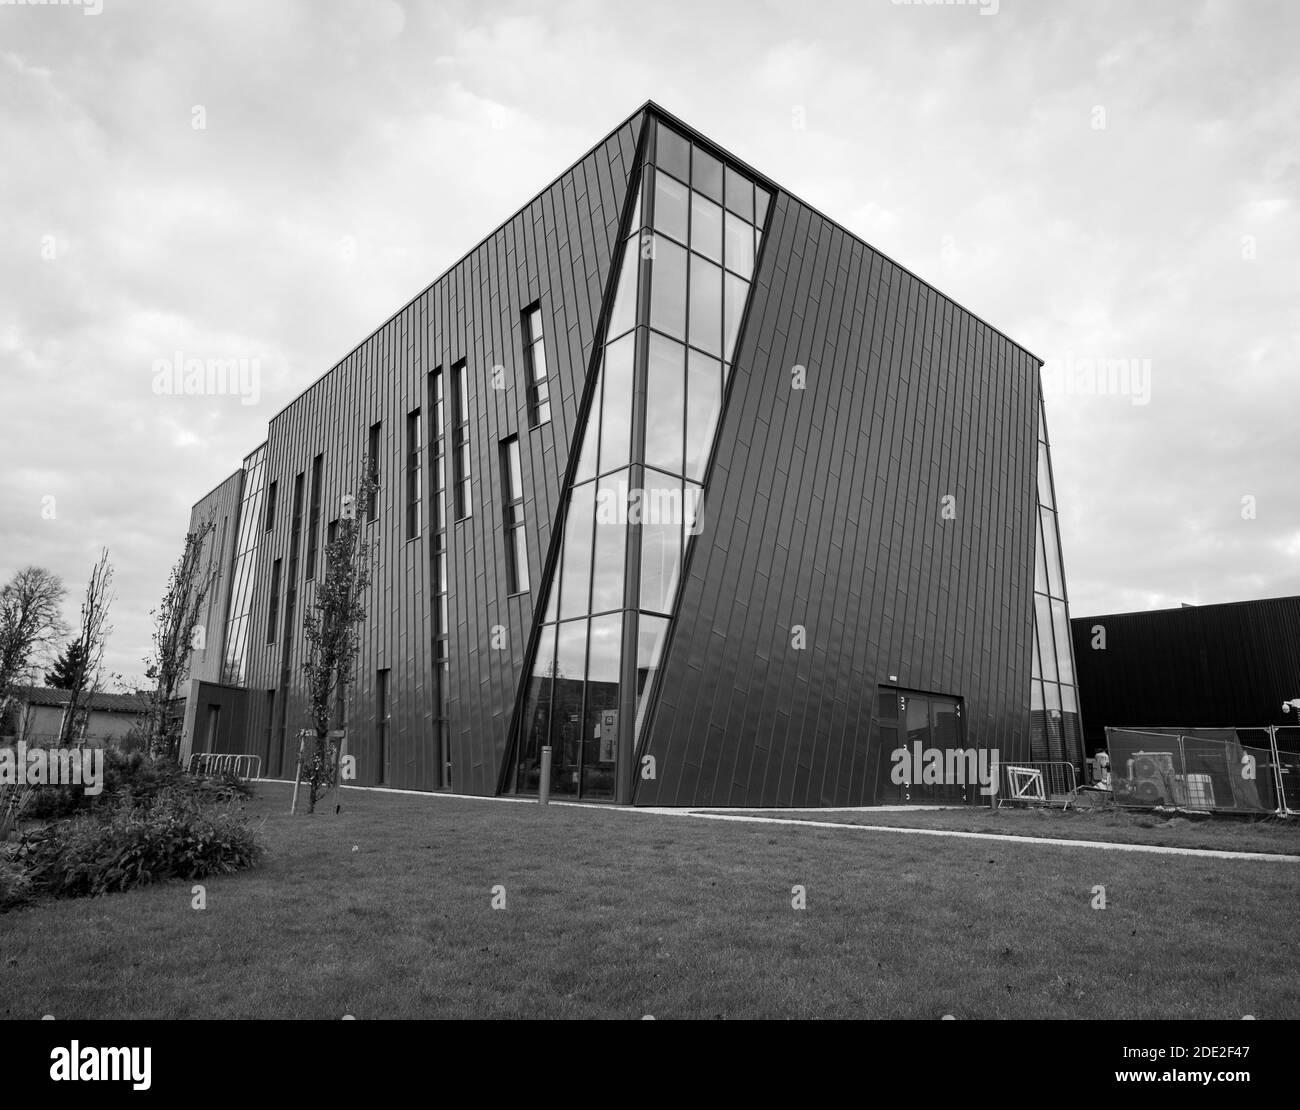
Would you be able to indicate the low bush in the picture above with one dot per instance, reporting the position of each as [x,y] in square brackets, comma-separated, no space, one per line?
[173,835]
[15,887]
[130,778]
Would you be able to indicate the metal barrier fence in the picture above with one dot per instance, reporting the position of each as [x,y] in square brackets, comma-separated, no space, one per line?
[1286,746]
[221,763]
[1036,782]
[1220,770]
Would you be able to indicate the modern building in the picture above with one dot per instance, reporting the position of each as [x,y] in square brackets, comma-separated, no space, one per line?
[678,476]
[1195,667]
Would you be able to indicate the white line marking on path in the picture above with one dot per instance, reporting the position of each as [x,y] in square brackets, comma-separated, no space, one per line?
[1157,849]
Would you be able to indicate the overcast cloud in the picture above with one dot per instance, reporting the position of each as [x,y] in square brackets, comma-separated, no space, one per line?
[1098,180]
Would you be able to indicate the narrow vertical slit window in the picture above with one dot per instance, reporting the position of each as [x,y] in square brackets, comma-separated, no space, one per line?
[270,505]
[512,485]
[460,458]
[437,401]
[273,613]
[313,518]
[414,453]
[372,462]
[539,396]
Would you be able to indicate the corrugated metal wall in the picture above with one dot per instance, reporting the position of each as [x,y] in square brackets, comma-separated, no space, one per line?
[1215,665]
[824,509]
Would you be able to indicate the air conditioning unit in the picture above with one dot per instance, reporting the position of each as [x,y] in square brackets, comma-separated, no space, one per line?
[1151,777]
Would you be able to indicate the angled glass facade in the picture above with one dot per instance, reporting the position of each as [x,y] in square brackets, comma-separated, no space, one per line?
[234,670]
[1054,728]
[638,485]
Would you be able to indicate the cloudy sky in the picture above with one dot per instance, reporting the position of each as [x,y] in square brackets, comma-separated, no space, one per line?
[272,179]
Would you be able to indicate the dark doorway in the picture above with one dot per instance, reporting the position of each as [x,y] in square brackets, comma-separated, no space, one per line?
[911,724]
[214,728]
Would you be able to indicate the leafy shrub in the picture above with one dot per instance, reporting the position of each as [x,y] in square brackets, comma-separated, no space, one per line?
[133,777]
[15,887]
[172,836]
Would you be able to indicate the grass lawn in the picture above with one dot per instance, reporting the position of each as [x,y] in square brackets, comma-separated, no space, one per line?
[385,911]
[1270,834]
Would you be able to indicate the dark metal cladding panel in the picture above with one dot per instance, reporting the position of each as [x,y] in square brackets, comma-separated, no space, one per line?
[1211,665]
[555,251]
[824,510]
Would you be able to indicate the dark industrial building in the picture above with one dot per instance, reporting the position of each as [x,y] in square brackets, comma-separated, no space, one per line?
[677,476]
[1195,667]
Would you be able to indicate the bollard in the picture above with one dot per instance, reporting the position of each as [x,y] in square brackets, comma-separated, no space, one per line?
[544,783]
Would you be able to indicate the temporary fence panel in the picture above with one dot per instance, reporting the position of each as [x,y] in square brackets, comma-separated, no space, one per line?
[1287,740]
[1233,771]
[1036,782]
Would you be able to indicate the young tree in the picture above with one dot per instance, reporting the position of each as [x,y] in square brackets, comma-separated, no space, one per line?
[31,622]
[175,621]
[332,633]
[90,641]
[70,663]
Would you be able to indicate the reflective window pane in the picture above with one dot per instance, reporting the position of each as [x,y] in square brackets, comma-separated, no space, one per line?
[552,601]
[1046,640]
[1040,561]
[623,315]
[672,153]
[537,712]
[600,734]
[668,288]
[739,246]
[703,402]
[1036,668]
[706,174]
[520,540]
[636,212]
[611,542]
[1055,584]
[692,510]
[577,551]
[706,305]
[761,199]
[736,291]
[616,409]
[1061,627]
[661,535]
[515,486]
[1055,726]
[566,710]
[590,436]
[740,195]
[665,403]
[706,227]
[671,207]
[1037,722]
[1044,477]
[650,635]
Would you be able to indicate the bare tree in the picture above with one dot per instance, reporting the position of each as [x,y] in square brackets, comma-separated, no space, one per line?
[31,622]
[90,641]
[333,633]
[175,621]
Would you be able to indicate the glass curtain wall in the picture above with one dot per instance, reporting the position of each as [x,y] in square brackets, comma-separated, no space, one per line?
[637,493]
[234,669]
[1055,731]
